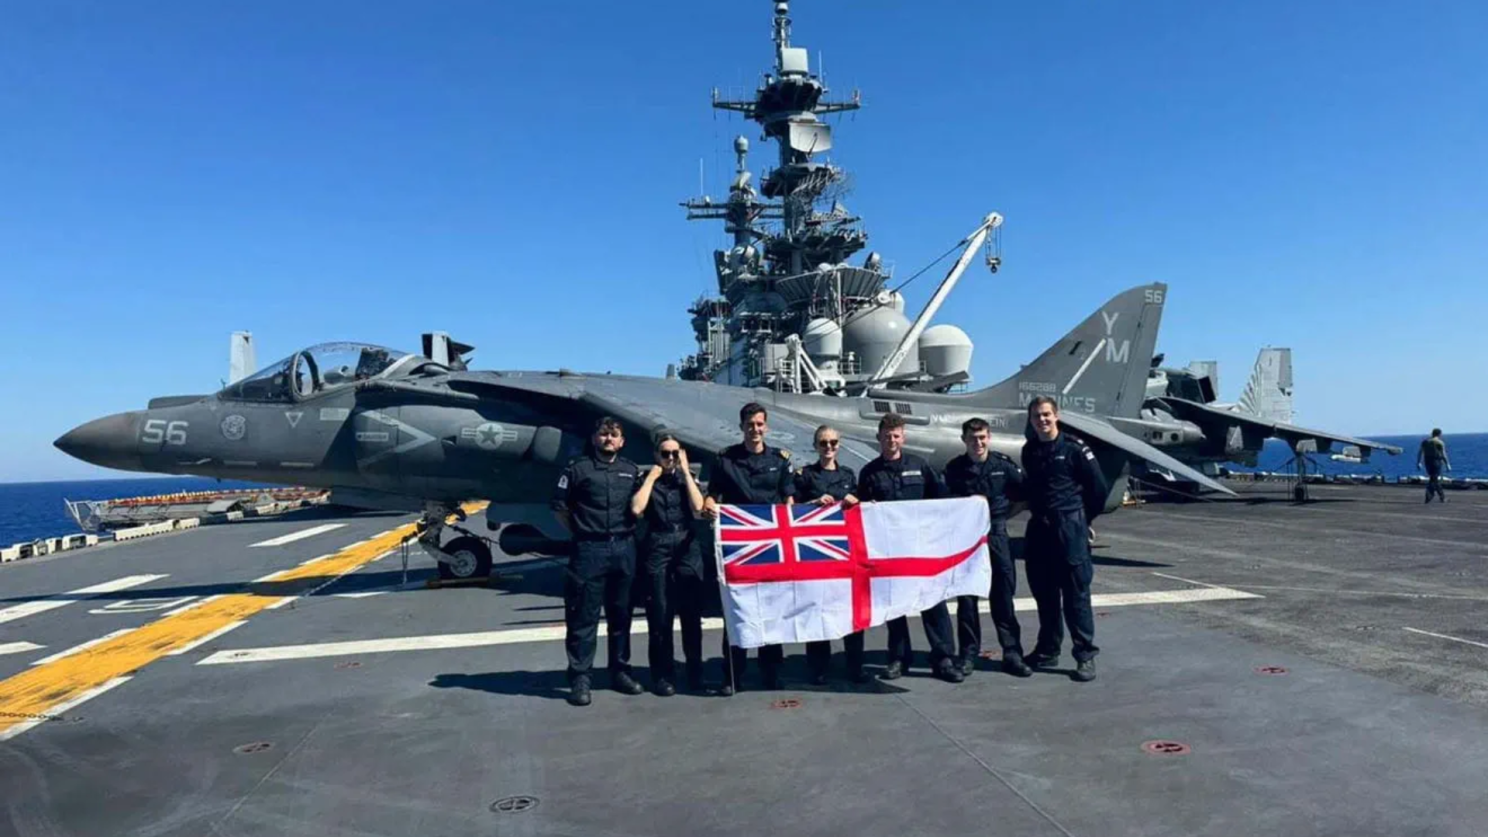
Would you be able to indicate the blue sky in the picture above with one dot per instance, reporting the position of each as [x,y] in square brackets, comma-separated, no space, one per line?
[1312,175]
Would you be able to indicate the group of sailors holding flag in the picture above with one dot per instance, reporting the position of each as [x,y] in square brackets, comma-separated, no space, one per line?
[601,496]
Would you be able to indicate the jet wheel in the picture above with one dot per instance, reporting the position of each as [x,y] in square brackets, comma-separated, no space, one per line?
[470,558]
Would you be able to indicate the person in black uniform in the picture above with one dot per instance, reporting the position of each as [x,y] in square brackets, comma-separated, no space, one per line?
[667,501]
[750,472]
[593,502]
[826,482]
[983,472]
[1065,490]
[896,475]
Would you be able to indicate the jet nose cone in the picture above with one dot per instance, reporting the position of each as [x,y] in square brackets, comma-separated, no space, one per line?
[109,442]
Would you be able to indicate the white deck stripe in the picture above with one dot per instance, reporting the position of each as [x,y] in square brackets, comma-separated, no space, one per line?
[67,706]
[1452,638]
[192,646]
[83,647]
[18,647]
[300,535]
[25,609]
[549,633]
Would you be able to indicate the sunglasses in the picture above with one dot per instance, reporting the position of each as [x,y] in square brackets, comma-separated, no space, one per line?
[827,443]
[669,454]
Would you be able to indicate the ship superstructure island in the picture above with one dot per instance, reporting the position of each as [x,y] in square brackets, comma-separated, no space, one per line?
[792,313]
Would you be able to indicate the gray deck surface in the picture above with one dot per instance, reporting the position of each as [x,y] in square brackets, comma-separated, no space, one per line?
[1373,604]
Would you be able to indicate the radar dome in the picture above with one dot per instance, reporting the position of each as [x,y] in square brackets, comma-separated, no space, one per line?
[946,350]
[874,334]
[896,301]
[822,339]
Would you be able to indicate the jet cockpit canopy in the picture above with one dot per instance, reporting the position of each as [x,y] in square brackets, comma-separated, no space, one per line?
[311,371]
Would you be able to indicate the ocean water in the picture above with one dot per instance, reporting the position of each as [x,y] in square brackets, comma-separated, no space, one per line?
[1467,451]
[30,510]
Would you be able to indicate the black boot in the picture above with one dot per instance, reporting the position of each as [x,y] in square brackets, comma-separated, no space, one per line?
[1041,659]
[663,688]
[948,671]
[623,683]
[1013,664]
[694,677]
[894,670]
[578,692]
[1084,671]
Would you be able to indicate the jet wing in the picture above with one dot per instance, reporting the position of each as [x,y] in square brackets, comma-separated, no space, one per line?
[1208,417]
[1094,428]
[708,424]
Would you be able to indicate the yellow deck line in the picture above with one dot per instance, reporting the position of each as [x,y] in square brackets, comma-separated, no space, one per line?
[35,693]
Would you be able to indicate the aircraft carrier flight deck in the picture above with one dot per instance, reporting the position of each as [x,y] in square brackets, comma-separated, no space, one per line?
[1266,668]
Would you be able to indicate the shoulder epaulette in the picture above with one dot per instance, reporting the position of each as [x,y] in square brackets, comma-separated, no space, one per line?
[784,454]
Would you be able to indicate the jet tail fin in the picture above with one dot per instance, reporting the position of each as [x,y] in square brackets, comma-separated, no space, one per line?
[1268,394]
[1099,367]
[240,357]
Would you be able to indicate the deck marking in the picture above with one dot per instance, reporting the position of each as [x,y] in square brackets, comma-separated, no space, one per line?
[68,652]
[18,647]
[556,631]
[25,609]
[192,646]
[300,535]
[1452,638]
[11,731]
[42,691]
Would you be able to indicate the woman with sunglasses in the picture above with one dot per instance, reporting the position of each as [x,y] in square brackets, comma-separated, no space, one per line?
[669,500]
[826,482]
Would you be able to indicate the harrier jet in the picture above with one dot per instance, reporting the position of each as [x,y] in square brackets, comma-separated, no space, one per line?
[393,430]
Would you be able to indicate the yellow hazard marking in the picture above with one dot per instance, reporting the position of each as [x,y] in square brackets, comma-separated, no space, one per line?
[35,693]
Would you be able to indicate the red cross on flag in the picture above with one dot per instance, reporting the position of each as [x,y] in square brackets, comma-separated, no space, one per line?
[807,572]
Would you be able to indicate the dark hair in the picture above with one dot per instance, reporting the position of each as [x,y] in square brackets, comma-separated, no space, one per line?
[1039,402]
[747,411]
[974,425]
[608,423]
[664,437]
[1436,431]
[890,421]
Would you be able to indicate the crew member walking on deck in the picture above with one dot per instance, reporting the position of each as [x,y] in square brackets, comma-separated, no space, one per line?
[896,475]
[1433,453]
[750,472]
[983,472]
[592,501]
[825,482]
[668,501]
[1065,490]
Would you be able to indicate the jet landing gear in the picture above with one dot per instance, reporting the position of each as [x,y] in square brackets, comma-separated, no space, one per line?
[465,557]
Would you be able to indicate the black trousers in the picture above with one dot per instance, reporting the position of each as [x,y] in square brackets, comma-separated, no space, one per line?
[1004,587]
[1433,483]
[819,655]
[1056,556]
[735,660]
[675,590]
[599,574]
[939,632]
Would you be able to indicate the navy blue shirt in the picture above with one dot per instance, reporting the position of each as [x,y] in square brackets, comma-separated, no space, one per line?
[907,478]
[998,478]
[743,478]
[669,509]
[596,494]
[1063,476]
[814,481]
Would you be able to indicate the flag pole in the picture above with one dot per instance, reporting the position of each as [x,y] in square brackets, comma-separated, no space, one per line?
[728,646]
